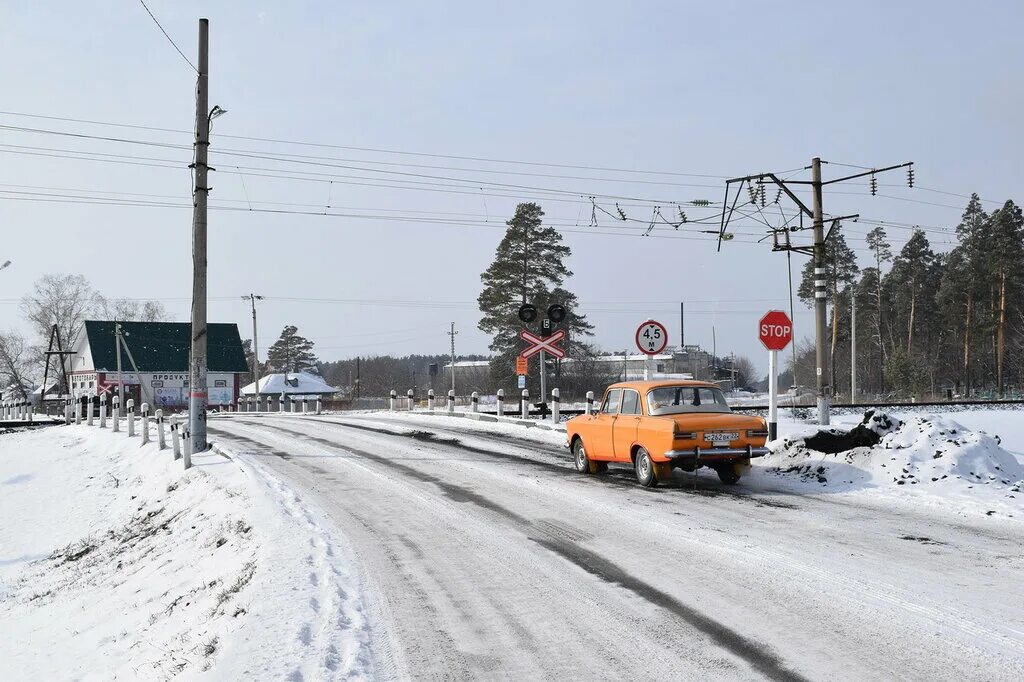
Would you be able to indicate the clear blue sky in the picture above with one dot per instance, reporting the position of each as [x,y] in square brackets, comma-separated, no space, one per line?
[721,89]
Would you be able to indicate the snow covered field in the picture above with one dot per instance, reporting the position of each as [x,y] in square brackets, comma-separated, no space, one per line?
[117,564]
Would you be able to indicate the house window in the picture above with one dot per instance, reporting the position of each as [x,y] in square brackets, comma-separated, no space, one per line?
[661,367]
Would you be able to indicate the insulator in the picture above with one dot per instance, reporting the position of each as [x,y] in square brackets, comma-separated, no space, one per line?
[874,185]
[701,202]
[752,191]
[682,217]
[762,195]
[910,176]
[778,195]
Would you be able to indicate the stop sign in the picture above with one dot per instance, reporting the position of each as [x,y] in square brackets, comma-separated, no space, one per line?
[775,330]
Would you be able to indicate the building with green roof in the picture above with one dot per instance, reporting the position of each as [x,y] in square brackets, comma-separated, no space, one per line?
[154,362]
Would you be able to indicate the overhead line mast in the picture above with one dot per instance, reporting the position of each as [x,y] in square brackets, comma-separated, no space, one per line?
[816,249]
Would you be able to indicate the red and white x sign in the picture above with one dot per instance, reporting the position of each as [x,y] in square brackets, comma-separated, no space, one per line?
[537,344]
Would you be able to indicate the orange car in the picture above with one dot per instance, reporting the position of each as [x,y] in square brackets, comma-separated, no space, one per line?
[661,425]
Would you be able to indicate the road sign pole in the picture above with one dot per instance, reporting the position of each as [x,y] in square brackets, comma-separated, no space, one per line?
[773,394]
[543,376]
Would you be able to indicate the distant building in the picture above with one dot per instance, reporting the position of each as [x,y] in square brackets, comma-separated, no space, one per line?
[292,383]
[160,351]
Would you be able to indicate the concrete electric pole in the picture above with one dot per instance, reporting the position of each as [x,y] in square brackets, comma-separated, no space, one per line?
[255,345]
[197,391]
[820,296]
[452,334]
[816,250]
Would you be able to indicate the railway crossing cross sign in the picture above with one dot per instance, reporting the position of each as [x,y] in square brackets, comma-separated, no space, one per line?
[538,344]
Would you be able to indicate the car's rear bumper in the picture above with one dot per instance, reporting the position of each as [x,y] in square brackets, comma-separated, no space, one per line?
[712,454]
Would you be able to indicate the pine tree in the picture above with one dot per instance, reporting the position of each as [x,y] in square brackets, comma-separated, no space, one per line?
[528,267]
[882,251]
[968,269]
[291,352]
[911,272]
[1006,261]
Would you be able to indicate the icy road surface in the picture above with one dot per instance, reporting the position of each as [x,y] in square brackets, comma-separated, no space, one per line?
[489,557]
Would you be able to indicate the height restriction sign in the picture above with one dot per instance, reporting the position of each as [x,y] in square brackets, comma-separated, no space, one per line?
[651,337]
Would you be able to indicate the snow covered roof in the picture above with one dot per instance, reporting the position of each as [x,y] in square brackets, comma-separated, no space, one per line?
[297,383]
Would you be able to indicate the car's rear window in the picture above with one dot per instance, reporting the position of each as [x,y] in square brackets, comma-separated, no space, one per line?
[682,399]
[611,401]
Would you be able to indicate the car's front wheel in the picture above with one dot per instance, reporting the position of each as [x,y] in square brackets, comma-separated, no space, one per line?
[645,473]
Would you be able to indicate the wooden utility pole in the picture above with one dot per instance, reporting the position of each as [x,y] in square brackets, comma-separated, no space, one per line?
[197,393]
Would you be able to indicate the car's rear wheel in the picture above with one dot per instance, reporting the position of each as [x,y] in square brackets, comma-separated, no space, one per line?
[727,473]
[580,459]
[644,466]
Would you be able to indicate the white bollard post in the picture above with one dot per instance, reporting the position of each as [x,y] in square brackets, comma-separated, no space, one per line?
[91,407]
[554,406]
[103,411]
[524,406]
[295,406]
[319,404]
[409,399]
[175,437]
[117,413]
[67,410]
[145,423]
[29,411]
[78,411]
[391,402]
[589,409]
[131,417]
[305,405]
[187,454]
[430,399]
[451,401]
[475,399]
[501,402]
[161,438]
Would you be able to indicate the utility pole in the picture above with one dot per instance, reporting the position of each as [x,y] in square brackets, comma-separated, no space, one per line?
[357,377]
[682,325]
[255,345]
[117,349]
[781,242]
[452,334]
[820,296]
[197,393]
[853,346]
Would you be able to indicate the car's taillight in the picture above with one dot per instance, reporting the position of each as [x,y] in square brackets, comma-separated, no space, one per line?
[757,433]
[690,435]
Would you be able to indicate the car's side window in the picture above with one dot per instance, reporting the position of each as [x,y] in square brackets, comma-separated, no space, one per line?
[611,401]
[630,402]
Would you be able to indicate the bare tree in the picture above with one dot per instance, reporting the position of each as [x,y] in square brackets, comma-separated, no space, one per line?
[64,300]
[16,361]
[127,310]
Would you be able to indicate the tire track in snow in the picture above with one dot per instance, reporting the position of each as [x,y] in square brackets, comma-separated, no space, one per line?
[753,653]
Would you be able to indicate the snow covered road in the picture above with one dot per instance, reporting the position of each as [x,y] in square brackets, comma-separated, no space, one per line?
[489,557]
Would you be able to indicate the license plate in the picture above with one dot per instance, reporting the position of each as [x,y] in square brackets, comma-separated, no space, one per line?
[722,437]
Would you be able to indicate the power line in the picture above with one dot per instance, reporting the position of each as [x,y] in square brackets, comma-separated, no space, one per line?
[370,149]
[187,61]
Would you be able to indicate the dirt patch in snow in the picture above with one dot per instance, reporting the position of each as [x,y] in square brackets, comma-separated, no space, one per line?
[927,450]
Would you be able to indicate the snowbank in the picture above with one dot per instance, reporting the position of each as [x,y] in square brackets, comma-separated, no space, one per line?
[931,451]
[115,563]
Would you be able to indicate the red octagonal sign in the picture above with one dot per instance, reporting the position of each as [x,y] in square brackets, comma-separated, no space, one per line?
[775,330]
